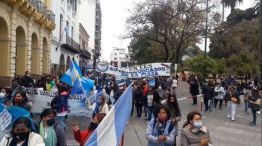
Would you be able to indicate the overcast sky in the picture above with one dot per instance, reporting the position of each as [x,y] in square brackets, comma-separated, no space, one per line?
[114,14]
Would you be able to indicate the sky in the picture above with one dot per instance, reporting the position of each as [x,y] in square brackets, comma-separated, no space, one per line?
[114,14]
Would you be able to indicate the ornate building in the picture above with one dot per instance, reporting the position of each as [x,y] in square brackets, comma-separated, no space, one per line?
[25,38]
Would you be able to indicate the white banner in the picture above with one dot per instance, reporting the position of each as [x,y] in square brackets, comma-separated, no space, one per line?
[42,99]
[139,71]
[5,119]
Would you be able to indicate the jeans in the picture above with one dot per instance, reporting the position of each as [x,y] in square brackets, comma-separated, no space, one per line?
[220,102]
[206,102]
[246,106]
[194,97]
[150,112]
[139,109]
[231,109]
[254,114]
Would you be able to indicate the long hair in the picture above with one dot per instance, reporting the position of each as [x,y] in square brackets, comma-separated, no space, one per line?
[175,104]
[47,112]
[23,94]
[190,117]
[27,123]
[166,109]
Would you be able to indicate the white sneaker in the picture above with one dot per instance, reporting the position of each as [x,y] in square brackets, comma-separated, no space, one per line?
[233,119]
[258,112]
[228,116]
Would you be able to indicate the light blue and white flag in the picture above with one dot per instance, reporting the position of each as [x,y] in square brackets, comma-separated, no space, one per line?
[110,130]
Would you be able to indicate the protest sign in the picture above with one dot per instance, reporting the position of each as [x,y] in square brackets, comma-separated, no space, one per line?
[5,119]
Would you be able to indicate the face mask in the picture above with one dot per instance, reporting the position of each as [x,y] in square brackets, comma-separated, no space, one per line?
[50,122]
[99,101]
[160,87]
[198,124]
[93,126]
[104,86]
[2,94]
[22,136]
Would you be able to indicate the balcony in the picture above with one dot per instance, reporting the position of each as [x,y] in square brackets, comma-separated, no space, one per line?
[85,54]
[71,45]
[35,9]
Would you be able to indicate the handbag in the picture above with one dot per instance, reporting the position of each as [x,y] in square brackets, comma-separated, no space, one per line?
[256,105]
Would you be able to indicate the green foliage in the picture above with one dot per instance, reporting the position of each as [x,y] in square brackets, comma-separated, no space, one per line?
[243,64]
[201,66]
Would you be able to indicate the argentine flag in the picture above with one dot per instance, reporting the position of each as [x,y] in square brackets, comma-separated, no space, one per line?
[110,130]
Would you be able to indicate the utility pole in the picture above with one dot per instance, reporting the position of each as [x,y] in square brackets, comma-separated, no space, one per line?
[206,29]
[223,12]
[260,27]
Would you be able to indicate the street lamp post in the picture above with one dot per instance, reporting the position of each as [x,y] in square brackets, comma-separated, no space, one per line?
[206,29]
[260,27]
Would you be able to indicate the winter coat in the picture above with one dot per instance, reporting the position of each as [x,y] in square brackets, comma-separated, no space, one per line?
[34,140]
[139,96]
[27,81]
[230,94]
[219,92]
[152,134]
[206,92]
[82,136]
[60,134]
[60,103]
[191,137]
[194,88]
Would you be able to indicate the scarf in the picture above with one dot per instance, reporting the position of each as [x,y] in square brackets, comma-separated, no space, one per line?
[48,134]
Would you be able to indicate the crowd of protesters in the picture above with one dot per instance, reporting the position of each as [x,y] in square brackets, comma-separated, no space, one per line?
[156,102]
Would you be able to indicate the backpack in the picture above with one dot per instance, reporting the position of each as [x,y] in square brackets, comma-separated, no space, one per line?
[170,128]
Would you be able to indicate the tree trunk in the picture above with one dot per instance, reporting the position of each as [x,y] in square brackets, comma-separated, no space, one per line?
[166,53]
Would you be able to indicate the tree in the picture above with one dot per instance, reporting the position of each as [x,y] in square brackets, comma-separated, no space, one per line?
[201,66]
[174,25]
[231,3]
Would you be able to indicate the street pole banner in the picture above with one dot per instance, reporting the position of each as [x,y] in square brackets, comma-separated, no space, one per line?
[139,71]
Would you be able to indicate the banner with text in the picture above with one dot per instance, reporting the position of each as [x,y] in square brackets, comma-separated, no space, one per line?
[42,99]
[139,71]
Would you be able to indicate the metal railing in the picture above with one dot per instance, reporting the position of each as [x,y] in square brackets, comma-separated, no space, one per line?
[72,43]
[42,8]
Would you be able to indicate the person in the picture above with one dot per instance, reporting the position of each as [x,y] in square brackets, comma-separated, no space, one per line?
[6,96]
[194,133]
[20,99]
[101,106]
[60,104]
[219,95]
[149,99]
[82,136]
[160,130]
[161,92]
[139,101]
[247,95]
[194,89]
[174,86]
[175,113]
[52,132]
[255,105]
[22,135]
[232,99]
[207,96]
[27,80]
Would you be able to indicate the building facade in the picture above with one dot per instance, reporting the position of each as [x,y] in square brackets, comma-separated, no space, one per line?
[25,38]
[85,55]
[119,57]
[65,38]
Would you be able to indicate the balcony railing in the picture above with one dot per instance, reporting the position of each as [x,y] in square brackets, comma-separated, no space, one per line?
[73,45]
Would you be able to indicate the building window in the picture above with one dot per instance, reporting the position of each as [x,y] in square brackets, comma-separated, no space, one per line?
[67,28]
[61,26]
[72,32]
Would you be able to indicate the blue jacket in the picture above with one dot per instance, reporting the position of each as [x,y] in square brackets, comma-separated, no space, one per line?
[152,134]
[60,103]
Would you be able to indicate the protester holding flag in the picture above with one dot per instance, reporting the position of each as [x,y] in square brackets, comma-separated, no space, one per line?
[20,99]
[22,135]
[161,131]
[83,136]
[52,132]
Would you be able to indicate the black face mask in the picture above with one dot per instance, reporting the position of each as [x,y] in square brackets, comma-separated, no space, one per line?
[50,122]
[22,135]
[93,126]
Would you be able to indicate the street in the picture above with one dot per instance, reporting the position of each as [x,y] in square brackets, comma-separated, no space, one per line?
[223,131]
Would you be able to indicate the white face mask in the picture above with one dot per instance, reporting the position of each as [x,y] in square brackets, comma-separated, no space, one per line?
[198,124]
[160,87]
[2,94]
